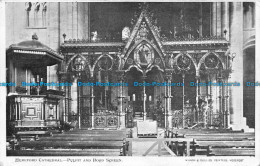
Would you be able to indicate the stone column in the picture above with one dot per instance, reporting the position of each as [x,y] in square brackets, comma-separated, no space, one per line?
[66,111]
[92,103]
[214,19]
[16,111]
[220,97]
[165,106]
[183,100]
[225,19]
[225,99]
[197,100]
[236,40]
[200,21]
[79,105]
[219,19]
[144,98]
[63,79]
[168,116]
[121,98]
[210,96]
[216,28]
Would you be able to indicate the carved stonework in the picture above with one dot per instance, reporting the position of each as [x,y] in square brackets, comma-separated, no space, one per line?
[143,32]
[78,64]
[211,61]
[130,61]
[105,63]
[126,34]
[144,54]
[184,62]
[157,61]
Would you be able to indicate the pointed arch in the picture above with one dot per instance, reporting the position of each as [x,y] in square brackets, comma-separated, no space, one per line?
[189,56]
[133,66]
[103,55]
[154,66]
[73,57]
[202,60]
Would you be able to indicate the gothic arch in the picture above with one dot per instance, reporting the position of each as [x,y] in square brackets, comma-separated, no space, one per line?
[188,55]
[202,60]
[101,56]
[133,66]
[72,58]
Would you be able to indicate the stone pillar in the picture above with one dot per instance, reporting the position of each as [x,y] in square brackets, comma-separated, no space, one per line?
[168,96]
[214,19]
[66,112]
[216,27]
[86,25]
[121,98]
[219,19]
[83,20]
[200,21]
[225,94]
[92,103]
[183,100]
[197,101]
[16,111]
[79,105]
[165,106]
[220,102]
[144,98]
[225,19]
[236,40]
[74,20]
[210,96]
[63,78]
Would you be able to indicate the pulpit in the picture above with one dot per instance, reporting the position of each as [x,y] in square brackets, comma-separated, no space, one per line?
[32,103]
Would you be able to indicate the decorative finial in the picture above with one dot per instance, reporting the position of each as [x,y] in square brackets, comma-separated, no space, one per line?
[225,32]
[34,36]
[64,36]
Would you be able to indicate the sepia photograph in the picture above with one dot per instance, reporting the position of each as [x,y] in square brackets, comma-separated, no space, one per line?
[112,81]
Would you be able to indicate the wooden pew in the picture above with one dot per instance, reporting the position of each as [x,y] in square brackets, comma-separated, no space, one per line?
[222,137]
[77,138]
[31,135]
[224,147]
[224,144]
[204,131]
[231,151]
[64,152]
[70,144]
[74,143]
[211,142]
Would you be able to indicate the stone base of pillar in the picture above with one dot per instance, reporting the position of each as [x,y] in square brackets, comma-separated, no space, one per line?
[169,121]
[145,114]
[122,121]
[240,126]
[92,121]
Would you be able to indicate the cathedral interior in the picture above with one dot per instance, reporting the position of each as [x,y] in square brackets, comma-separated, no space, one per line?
[111,65]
